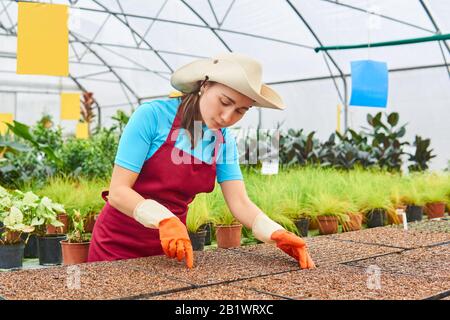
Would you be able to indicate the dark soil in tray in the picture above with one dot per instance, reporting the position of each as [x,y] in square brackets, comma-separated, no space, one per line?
[431,262]
[440,226]
[216,292]
[211,267]
[392,236]
[341,282]
[110,280]
[323,251]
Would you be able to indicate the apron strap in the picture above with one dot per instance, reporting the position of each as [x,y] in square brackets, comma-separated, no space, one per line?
[219,140]
[105,195]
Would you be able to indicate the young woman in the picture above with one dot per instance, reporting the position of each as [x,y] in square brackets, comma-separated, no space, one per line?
[161,164]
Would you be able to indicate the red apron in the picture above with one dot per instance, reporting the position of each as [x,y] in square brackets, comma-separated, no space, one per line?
[117,236]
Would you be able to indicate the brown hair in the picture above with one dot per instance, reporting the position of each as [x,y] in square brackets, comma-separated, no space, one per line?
[190,112]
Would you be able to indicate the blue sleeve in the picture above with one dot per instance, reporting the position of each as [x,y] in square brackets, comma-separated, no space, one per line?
[137,137]
[228,160]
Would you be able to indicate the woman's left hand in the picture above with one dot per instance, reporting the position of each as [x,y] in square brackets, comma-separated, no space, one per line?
[293,246]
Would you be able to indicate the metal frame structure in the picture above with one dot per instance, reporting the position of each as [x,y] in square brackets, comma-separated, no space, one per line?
[122,17]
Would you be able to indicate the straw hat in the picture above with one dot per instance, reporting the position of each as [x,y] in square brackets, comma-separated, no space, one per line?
[234,70]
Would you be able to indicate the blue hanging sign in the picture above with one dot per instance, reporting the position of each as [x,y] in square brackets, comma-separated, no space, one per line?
[369,83]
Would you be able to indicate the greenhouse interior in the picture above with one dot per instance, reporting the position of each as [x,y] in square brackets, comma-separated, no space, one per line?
[322,172]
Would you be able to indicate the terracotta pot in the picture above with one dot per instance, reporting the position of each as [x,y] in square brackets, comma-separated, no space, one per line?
[74,253]
[354,224]
[228,236]
[62,217]
[435,210]
[327,224]
[89,223]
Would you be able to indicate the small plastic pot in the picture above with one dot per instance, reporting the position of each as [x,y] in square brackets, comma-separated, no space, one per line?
[31,249]
[302,225]
[49,249]
[11,256]
[414,213]
[327,224]
[376,218]
[435,210]
[208,227]
[198,240]
[228,236]
[74,253]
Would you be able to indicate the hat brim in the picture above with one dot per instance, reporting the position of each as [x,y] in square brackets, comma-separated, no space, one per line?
[186,79]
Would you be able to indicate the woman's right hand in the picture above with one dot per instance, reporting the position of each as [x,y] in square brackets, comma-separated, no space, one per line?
[175,240]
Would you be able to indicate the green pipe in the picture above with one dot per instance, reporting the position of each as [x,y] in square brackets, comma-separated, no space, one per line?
[438,37]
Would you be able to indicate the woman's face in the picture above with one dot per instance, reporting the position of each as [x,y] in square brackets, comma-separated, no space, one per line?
[221,106]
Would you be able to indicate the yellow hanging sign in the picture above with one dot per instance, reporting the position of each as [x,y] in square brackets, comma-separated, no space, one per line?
[70,106]
[5,117]
[43,39]
[82,131]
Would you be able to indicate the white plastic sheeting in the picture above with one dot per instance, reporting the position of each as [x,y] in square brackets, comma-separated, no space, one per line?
[125,51]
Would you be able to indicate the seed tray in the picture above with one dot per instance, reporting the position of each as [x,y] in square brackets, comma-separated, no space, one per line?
[323,251]
[433,262]
[340,282]
[394,237]
[213,267]
[105,280]
[439,226]
[216,292]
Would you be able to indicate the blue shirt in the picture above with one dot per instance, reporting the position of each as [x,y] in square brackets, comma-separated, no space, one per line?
[148,129]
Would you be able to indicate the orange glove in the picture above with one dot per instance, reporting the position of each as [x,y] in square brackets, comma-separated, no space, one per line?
[293,246]
[175,240]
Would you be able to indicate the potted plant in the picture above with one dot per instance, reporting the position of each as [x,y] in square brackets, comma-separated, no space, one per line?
[329,210]
[49,246]
[354,223]
[11,243]
[209,228]
[196,218]
[228,230]
[435,197]
[299,216]
[75,248]
[415,203]
[302,224]
[375,207]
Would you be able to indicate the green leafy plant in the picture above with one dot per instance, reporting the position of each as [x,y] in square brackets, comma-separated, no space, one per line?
[26,212]
[422,154]
[77,233]
[23,131]
[198,213]
[387,144]
[323,204]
